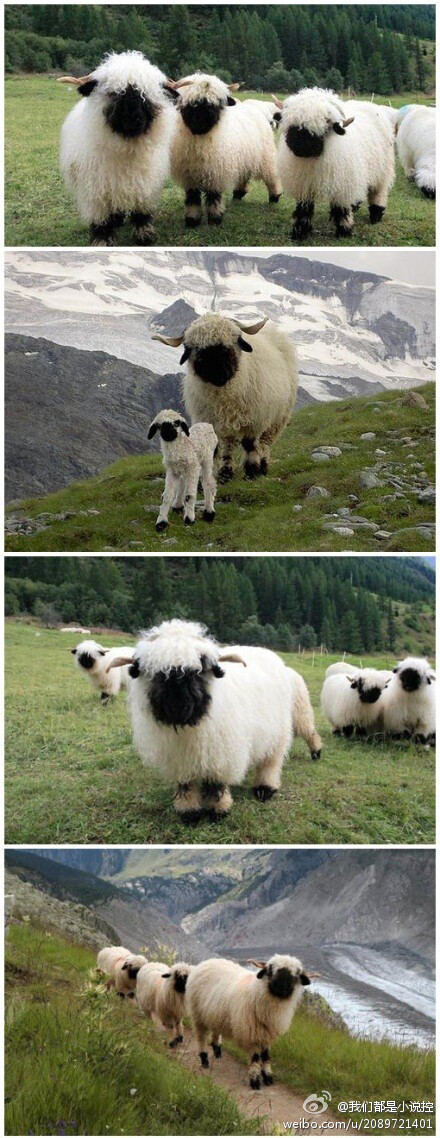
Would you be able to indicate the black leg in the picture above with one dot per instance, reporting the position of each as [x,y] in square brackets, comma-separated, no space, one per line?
[341,216]
[263,793]
[376,213]
[104,697]
[217,1049]
[302,220]
[254,1072]
[348,731]
[204,1058]
[102,232]
[214,207]
[143,228]
[193,208]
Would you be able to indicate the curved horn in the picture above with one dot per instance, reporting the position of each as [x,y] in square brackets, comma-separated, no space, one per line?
[120,661]
[347,122]
[257,963]
[180,83]
[233,86]
[251,329]
[233,659]
[170,341]
[277,102]
[71,79]
[313,975]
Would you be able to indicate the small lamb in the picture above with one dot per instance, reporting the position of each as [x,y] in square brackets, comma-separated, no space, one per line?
[188,454]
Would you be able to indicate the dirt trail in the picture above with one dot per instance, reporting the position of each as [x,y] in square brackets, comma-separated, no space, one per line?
[276,1105]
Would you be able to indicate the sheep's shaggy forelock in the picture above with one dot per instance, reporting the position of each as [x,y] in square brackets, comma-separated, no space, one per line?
[313,108]
[212,328]
[89,648]
[417,664]
[130,68]
[175,644]
[202,87]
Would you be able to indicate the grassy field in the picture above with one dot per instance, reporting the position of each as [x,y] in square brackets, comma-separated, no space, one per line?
[73,1054]
[261,515]
[72,774]
[39,211]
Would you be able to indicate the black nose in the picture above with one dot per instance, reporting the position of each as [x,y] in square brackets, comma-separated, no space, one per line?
[370,696]
[200,117]
[180,983]
[168,432]
[216,365]
[130,114]
[303,143]
[86,660]
[282,984]
[410,679]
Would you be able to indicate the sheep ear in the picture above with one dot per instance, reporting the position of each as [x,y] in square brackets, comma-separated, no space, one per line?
[277,102]
[305,979]
[261,973]
[124,967]
[170,341]
[181,423]
[252,329]
[120,662]
[185,356]
[152,429]
[166,975]
[232,658]
[87,87]
[243,344]
[219,673]
[395,670]
[170,90]
[103,651]
[231,102]
[353,683]
[338,128]
[73,651]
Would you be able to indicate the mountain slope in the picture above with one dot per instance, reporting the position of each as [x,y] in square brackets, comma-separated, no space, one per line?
[272,513]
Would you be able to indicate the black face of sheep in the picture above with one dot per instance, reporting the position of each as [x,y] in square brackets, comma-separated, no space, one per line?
[130,113]
[410,679]
[217,364]
[180,982]
[86,660]
[202,116]
[303,143]
[180,697]
[370,696]
[132,972]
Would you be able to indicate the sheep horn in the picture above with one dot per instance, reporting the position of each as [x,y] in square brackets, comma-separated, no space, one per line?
[119,662]
[251,329]
[233,86]
[257,963]
[232,658]
[313,975]
[347,122]
[171,341]
[71,79]
[277,102]
[180,83]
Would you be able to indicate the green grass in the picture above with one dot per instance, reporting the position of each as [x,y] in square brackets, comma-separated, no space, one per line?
[40,212]
[257,515]
[73,1055]
[72,774]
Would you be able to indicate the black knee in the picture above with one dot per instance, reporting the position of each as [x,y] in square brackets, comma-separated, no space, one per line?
[263,793]
[104,230]
[376,213]
[204,1058]
[302,219]
[239,195]
[193,197]
[212,789]
[248,444]
[340,215]
[252,470]
[217,1049]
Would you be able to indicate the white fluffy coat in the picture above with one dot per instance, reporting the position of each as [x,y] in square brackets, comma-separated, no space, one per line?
[108,683]
[411,711]
[416,145]
[342,706]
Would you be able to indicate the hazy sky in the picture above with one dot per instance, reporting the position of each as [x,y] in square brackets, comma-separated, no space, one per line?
[414,266]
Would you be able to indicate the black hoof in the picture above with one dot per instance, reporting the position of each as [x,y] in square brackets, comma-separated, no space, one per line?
[423,739]
[144,242]
[192,222]
[217,815]
[217,1049]
[175,1042]
[131,995]
[344,231]
[251,470]
[263,793]
[204,1058]
[267,1079]
[188,521]
[238,195]
[104,697]
[177,509]
[301,232]
[214,220]
[122,995]
[208,515]
[428,193]
[190,817]
[315,755]
[255,1083]
[348,731]
[274,197]
[226,474]
[376,213]
[160,526]
[263,466]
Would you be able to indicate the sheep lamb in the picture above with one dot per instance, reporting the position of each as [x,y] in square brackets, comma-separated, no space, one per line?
[93,660]
[335,150]
[115,145]
[354,702]
[207,715]
[160,991]
[416,145]
[188,454]
[409,702]
[251,1009]
[264,107]
[247,391]
[342,668]
[121,966]
[218,147]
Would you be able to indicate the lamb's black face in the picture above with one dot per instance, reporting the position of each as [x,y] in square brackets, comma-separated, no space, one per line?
[216,365]
[410,679]
[201,117]
[86,660]
[130,113]
[179,698]
[168,432]
[281,983]
[132,972]
[370,696]
[180,982]
[303,143]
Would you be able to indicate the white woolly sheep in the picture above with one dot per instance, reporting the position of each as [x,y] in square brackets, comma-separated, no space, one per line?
[160,991]
[121,966]
[93,660]
[251,1009]
[354,702]
[188,454]
[265,108]
[247,391]
[205,714]
[416,145]
[409,702]
[115,145]
[342,668]
[343,152]
[218,147]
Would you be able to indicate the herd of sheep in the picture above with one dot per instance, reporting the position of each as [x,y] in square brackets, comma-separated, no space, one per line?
[205,716]
[134,128]
[252,1009]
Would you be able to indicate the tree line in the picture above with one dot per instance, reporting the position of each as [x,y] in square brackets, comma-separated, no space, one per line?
[364,48]
[345,604]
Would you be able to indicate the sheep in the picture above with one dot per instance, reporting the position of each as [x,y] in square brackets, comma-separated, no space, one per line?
[194,728]
[416,145]
[160,991]
[409,702]
[265,108]
[251,1009]
[188,454]
[122,967]
[354,702]
[319,157]
[218,147]
[92,660]
[342,668]
[247,391]
[115,145]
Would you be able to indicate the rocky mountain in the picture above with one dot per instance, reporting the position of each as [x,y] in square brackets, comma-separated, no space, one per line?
[356,333]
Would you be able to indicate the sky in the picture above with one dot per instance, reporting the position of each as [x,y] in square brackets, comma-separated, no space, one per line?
[414,266]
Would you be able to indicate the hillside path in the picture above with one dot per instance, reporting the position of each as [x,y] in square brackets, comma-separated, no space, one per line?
[277,1105]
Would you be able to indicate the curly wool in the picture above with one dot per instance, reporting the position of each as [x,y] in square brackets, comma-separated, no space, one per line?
[111,961]
[350,165]
[103,681]
[411,711]
[416,145]
[156,993]
[342,706]
[105,172]
[223,998]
